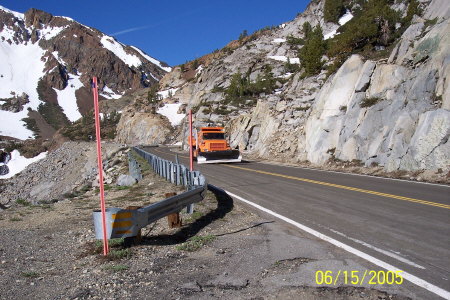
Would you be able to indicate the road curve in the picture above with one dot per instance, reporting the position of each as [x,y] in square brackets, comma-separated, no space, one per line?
[403,223]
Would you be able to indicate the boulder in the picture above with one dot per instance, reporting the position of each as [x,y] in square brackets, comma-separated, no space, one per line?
[142,128]
[125,180]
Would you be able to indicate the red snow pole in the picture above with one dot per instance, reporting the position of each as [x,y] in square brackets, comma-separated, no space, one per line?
[191,154]
[100,164]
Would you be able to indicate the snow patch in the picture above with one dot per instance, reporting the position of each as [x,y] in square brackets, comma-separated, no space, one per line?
[344,19]
[18,163]
[67,99]
[294,60]
[11,125]
[50,32]
[170,111]
[165,93]
[152,60]
[199,70]
[20,71]
[109,94]
[278,41]
[117,48]
[287,75]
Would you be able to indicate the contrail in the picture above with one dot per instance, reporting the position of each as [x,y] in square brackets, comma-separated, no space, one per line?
[166,21]
[129,30]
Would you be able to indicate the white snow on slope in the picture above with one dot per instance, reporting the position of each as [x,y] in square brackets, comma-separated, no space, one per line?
[109,93]
[67,99]
[170,111]
[18,163]
[16,14]
[21,68]
[50,32]
[292,60]
[11,125]
[151,59]
[117,48]
[278,41]
[199,70]
[165,93]
[344,19]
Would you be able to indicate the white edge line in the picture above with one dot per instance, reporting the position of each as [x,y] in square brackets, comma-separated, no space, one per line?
[385,252]
[353,174]
[411,278]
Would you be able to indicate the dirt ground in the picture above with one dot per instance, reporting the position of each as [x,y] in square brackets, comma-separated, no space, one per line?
[224,250]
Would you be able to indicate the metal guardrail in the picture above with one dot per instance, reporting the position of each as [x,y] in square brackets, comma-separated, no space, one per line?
[121,223]
[134,168]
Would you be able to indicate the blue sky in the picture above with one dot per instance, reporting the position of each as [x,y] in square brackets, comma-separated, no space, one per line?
[171,31]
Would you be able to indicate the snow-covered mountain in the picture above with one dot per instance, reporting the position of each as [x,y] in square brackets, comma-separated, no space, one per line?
[47,63]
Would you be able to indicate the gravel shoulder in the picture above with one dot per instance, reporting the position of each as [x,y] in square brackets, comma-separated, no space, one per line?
[225,250]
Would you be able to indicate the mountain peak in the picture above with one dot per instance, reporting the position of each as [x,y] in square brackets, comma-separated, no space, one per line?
[50,60]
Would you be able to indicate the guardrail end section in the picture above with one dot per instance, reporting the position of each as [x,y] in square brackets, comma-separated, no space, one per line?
[120,223]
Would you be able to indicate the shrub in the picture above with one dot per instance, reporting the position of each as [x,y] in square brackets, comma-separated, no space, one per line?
[368,102]
[117,268]
[30,274]
[413,9]
[23,202]
[291,68]
[241,88]
[31,124]
[84,129]
[293,41]
[53,115]
[152,95]
[195,243]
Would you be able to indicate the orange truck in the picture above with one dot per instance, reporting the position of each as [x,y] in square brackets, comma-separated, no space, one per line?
[211,146]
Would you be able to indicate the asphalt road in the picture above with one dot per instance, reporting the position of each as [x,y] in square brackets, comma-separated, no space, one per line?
[406,224]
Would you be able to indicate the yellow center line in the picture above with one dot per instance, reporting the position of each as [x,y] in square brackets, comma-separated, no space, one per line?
[340,186]
[345,187]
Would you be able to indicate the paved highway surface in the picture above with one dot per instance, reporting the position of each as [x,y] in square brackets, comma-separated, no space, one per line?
[405,224]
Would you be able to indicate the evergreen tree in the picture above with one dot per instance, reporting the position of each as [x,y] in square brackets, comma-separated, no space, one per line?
[333,10]
[153,95]
[306,29]
[311,53]
[243,35]
[373,25]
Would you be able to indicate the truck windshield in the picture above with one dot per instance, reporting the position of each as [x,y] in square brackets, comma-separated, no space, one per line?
[213,136]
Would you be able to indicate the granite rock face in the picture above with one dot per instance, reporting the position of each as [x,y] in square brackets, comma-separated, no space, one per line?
[136,128]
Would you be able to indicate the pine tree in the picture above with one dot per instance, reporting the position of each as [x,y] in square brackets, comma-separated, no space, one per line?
[311,53]
[243,35]
[333,10]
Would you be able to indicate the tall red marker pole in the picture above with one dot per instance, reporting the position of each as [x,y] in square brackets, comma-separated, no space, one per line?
[100,163]
[191,154]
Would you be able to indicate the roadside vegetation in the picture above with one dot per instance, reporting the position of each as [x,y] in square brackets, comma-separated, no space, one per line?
[372,32]
[84,129]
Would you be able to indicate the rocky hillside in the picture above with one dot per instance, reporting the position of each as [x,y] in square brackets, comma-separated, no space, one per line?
[364,81]
[47,64]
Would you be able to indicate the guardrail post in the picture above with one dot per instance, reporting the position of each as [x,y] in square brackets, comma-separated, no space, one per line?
[174,219]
